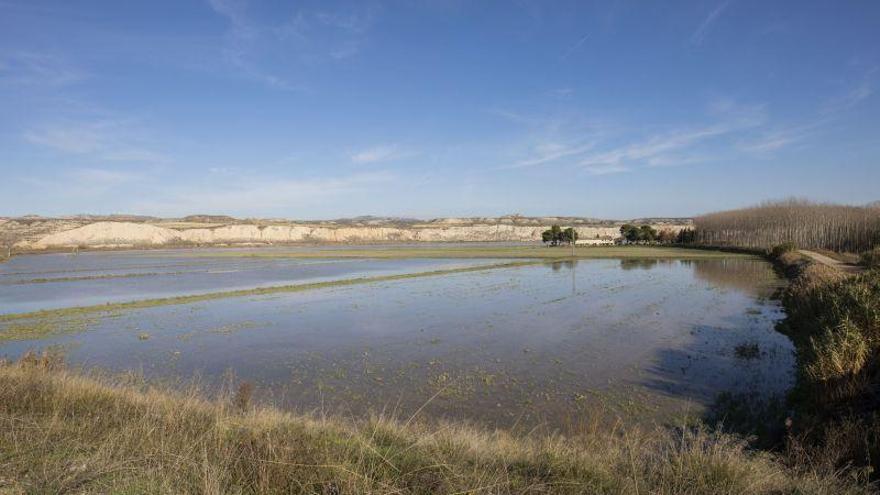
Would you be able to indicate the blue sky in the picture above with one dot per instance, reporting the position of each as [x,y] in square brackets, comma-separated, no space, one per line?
[434,108]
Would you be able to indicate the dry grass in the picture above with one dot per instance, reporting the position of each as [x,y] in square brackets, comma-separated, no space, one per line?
[834,322]
[871,259]
[838,352]
[61,432]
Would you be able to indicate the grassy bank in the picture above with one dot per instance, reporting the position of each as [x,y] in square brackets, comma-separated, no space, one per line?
[62,432]
[834,321]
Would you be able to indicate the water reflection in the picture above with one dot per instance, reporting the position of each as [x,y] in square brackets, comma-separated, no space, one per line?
[753,276]
[559,265]
[513,346]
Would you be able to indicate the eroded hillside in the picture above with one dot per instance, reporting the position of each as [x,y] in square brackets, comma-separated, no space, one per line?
[38,233]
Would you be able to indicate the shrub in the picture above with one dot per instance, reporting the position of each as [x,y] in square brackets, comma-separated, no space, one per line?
[780,249]
[838,353]
[871,259]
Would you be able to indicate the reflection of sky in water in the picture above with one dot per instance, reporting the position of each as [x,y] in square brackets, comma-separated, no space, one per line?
[30,283]
[547,342]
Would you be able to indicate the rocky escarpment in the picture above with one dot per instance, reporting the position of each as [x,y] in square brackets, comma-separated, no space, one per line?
[111,233]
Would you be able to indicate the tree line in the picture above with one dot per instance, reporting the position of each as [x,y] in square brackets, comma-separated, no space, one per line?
[808,225]
[556,236]
[645,234]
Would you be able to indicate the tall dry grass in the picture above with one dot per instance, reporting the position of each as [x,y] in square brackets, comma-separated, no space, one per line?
[62,432]
[834,321]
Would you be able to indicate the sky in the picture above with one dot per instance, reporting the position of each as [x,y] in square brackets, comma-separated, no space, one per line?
[433,108]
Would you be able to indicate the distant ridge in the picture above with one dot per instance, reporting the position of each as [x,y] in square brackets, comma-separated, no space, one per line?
[34,233]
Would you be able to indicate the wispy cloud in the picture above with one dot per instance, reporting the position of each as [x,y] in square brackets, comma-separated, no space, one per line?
[87,184]
[677,160]
[780,137]
[576,46]
[243,194]
[38,69]
[703,29]
[518,118]
[252,44]
[108,140]
[562,92]
[104,177]
[606,169]
[604,149]
[852,97]
[548,152]
[381,153]
[654,146]
[242,34]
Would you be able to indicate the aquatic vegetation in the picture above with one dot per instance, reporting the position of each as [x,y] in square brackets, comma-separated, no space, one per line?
[260,291]
[749,350]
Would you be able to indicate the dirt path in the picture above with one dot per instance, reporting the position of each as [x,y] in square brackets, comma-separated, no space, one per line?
[826,260]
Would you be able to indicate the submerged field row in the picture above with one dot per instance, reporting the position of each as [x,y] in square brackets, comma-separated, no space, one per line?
[257,291]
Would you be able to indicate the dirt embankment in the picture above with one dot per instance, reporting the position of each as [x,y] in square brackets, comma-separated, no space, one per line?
[833,263]
[43,234]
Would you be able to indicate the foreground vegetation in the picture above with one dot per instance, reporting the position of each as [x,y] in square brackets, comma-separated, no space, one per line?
[834,322]
[62,432]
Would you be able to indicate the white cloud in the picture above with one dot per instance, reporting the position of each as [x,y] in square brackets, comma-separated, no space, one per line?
[703,29]
[562,92]
[37,69]
[851,98]
[550,152]
[244,195]
[576,46]
[605,169]
[676,160]
[602,148]
[307,37]
[779,138]
[654,146]
[66,139]
[104,177]
[382,153]
[784,136]
[109,140]
[86,185]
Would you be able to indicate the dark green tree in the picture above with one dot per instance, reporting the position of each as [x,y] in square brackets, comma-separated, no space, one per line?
[647,233]
[629,232]
[555,236]
[686,236]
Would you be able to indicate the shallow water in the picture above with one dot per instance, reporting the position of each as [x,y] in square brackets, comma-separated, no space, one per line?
[556,343]
[50,281]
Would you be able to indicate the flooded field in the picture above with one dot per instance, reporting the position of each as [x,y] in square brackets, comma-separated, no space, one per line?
[554,343]
[32,283]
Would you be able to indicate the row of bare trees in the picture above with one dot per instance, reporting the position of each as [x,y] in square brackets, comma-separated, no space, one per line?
[808,225]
